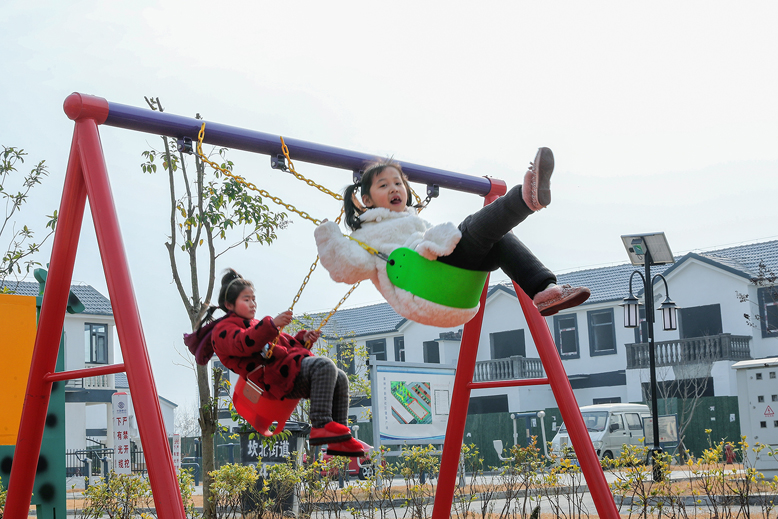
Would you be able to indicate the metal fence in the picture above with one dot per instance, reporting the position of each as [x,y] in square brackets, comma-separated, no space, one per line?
[100,458]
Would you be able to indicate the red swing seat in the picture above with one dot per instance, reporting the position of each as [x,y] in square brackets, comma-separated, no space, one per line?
[261,411]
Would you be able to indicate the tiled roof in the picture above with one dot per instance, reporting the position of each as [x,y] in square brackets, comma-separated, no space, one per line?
[606,283]
[363,320]
[120,381]
[746,258]
[94,302]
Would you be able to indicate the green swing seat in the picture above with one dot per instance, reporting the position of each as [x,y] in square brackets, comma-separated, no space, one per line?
[435,281]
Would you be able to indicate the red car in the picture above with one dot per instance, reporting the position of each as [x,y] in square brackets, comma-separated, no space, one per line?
[359,467]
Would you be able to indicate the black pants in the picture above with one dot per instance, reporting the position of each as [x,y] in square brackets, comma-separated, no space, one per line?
[488,244]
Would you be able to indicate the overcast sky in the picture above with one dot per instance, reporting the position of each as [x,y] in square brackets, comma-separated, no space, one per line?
[662,117]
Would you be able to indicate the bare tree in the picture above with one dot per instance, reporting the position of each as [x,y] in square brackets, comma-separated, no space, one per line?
[688,384]
[767,293]
[187,421]
[207,208]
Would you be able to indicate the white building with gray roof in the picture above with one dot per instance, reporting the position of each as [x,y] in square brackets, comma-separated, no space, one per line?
[604,361]
[89,342]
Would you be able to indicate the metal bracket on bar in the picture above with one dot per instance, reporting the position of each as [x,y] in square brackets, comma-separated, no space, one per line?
[278,162]
[433,191]
[356,176]
[185,145]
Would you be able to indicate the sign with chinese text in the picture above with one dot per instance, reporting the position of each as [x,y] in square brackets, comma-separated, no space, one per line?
[121,433]
[176,449]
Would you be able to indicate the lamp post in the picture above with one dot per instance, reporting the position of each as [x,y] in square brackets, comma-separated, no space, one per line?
[647,250]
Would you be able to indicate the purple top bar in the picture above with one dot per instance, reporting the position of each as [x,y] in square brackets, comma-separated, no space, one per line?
[161,123]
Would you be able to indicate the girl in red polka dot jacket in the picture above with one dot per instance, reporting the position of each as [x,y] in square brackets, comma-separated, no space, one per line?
[286,370]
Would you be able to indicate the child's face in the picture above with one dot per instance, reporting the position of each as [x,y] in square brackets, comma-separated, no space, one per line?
[245,305]
[387,191]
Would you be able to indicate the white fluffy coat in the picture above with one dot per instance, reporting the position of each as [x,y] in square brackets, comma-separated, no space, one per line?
[386,230]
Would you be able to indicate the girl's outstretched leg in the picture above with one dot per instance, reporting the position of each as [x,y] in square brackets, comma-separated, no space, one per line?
[521,265]
[482,229]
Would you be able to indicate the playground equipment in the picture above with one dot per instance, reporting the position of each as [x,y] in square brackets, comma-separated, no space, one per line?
[87,176]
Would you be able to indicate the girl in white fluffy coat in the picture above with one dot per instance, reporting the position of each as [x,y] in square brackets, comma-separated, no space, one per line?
[483,241]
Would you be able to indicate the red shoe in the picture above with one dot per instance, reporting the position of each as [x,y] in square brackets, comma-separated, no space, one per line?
[559,297]
[332,432]
[351,448]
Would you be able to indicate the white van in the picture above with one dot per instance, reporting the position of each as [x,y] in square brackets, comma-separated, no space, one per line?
[610,426]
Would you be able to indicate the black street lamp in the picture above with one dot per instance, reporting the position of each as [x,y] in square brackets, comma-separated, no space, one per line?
[647,250]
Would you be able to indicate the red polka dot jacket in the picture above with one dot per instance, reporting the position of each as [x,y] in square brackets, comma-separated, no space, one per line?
[239,344]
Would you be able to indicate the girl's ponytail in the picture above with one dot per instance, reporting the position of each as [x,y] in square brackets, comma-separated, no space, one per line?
[351,211]
[199,341]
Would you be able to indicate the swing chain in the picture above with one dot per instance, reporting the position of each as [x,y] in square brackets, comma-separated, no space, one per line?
[342,300]
[247,184]
[305,215]
[305,282]
[298,176]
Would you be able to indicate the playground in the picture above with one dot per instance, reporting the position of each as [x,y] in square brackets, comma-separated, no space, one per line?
[87,177]
[650,128]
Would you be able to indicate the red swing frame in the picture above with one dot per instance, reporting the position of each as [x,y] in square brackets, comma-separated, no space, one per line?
[87,176]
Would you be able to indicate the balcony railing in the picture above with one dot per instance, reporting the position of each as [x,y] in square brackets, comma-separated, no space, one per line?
[98,382]
[512,368]
[688,351]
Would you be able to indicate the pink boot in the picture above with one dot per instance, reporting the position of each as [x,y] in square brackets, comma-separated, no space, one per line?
[559,297]
[536,189]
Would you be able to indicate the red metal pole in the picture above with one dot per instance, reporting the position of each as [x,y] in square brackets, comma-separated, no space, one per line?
[162,476]
[568,407]
[460,396]
[84,373]
[47,338]
[460,401]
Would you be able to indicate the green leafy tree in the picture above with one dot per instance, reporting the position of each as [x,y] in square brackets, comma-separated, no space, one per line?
[210,214]
[18,239]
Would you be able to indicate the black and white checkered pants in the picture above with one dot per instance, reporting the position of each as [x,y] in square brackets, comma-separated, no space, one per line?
[326,386]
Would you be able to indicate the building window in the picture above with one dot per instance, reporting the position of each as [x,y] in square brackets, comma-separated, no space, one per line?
[700,321]
[607,400]
[763,425]
[377,348]
[399,349]
[602,332]
[759,376]
[566,335]
[760,398]
[507,344]
[431,352]
[768,311]
[96,343]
